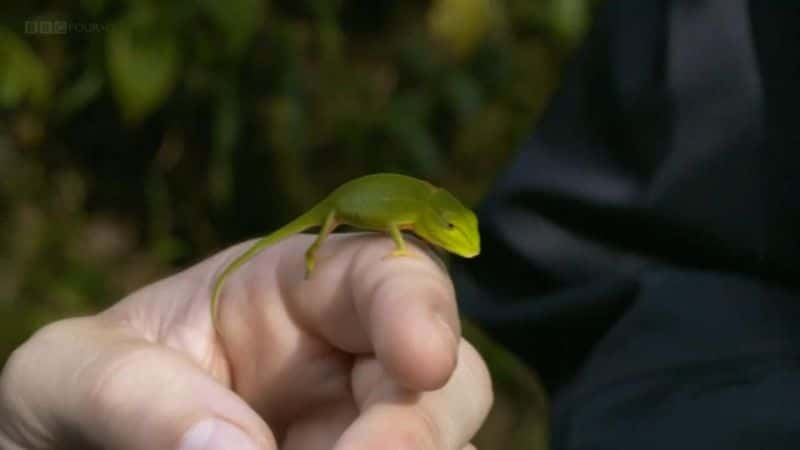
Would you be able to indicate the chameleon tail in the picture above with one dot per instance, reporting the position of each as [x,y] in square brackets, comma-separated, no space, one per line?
[311,218]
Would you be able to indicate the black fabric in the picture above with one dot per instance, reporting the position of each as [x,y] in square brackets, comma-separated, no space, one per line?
[641,252]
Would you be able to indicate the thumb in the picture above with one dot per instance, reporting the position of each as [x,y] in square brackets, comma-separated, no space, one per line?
[79,383]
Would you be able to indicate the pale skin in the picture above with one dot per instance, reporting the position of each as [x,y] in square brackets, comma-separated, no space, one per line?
[365,354]
[385,202]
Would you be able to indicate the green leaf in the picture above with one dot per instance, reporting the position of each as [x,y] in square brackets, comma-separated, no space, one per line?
[93,7]
[462,95]
[76,96]
[143,64]
[224,136]
[406,126]
[23,76]
[461,25]
[238,20]
[570,19]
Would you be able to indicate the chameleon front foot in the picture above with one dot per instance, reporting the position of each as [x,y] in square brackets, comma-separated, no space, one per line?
[400,245]
[310,264]
[401,252]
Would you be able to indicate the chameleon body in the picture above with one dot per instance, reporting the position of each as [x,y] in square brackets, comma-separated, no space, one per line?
[383,202]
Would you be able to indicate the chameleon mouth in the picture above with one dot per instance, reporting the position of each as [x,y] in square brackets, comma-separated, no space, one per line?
[471,253]
[471,249]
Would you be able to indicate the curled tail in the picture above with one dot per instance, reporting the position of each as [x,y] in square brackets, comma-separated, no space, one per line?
[312,218]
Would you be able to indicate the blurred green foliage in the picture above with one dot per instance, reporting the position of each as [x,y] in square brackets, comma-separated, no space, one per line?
[138,136]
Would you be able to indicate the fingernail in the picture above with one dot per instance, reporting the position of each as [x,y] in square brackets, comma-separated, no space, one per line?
[213,434]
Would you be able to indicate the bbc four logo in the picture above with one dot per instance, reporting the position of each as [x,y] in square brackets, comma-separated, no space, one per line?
[46,27]
[43,26]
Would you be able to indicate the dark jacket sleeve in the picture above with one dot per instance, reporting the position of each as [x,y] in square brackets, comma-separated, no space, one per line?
[640,251]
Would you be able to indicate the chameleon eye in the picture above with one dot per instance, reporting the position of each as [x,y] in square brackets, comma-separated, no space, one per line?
[450,226]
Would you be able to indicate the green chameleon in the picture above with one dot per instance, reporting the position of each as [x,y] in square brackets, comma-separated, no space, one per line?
[380,202]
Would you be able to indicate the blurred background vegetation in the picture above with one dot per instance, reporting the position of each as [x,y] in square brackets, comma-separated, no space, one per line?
[137,137]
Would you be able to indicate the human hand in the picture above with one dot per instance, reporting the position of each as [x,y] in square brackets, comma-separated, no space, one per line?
[366,354]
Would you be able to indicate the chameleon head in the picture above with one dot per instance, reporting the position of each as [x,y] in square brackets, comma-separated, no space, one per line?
[449,224]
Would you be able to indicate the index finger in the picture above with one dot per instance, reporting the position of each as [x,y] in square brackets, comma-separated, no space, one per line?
[402,309]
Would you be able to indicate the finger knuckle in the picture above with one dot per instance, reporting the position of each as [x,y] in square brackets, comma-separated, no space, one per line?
[427,434]
[436,433]
[22,386]
[108,381]
[26,359]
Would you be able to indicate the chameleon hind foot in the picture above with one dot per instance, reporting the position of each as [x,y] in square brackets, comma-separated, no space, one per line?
[311,254]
